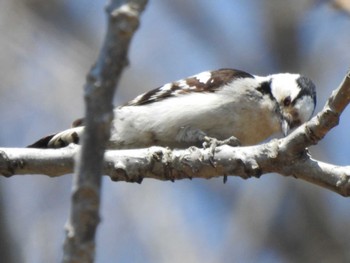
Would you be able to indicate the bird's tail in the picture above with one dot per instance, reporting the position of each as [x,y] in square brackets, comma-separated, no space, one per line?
[42,143]
[60,139]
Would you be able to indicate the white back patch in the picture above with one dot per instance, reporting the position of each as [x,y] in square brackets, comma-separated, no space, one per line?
[166,87]
[203,77]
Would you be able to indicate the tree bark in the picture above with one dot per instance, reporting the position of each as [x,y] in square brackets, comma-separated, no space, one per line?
[123,21]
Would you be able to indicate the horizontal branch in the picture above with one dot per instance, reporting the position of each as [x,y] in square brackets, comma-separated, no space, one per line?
[165,164]
[287,156]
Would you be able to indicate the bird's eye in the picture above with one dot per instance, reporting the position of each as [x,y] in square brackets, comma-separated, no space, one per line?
[287,101]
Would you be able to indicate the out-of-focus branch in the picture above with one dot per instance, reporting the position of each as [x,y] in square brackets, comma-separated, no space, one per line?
[123,20]
[343,5]
[287,156]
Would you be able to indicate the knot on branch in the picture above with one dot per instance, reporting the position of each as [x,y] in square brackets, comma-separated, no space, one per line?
[321,124]
[123,170]
[191,157]
[343,183]
[240,163]
[125,17]
[252,168]
[329,118]
[5,168]
[120,172]
[163,157]
[8,167]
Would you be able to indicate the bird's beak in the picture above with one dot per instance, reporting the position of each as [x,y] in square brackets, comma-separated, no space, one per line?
[285,127]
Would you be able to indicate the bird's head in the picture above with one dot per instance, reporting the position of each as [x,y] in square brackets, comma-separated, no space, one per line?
[296,97]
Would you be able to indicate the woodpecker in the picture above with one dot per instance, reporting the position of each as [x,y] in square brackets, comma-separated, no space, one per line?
[220,104]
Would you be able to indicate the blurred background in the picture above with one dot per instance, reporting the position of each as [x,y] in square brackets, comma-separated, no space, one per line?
[46,50]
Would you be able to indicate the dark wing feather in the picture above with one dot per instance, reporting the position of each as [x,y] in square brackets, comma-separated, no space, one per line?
[217,79]
[42,143]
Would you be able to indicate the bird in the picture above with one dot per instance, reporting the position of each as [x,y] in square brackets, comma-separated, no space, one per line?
[228,105]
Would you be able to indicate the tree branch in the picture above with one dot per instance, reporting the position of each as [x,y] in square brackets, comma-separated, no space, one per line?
[123,20]
[164,164]
[286,156]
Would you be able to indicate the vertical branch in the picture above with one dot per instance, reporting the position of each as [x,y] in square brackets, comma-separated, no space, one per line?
[123,20]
